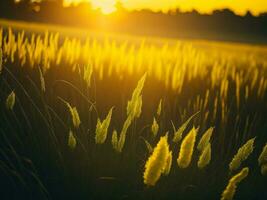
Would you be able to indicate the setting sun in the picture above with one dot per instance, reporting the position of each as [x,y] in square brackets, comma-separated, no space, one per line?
[106,6]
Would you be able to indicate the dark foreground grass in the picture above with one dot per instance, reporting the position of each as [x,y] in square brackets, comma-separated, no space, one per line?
[36,162]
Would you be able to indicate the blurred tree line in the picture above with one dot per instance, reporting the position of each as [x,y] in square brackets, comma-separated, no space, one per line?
[220,25]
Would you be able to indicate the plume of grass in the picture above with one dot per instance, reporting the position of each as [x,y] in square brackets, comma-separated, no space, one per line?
[71,140]
[42,80]
[178,133]
[118,142]
[122,138]
[205,157]
[242,154]
[187,148]
[262,160]
[1,59]
[148,146]
[205,139]
[156,162]
[134,106]
[10,100]
[102,128]
[74,114]
[87,74]
[155,127]
[159,108]
[1,37]
[114,139]
[264,169]
[230,190]
[263,156]
[168,164]
[134,109]
[138,107]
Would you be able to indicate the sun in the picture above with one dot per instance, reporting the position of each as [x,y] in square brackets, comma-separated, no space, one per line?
[108,9]
[106,6]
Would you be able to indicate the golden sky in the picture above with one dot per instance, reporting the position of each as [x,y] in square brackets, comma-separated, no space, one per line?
[203,6]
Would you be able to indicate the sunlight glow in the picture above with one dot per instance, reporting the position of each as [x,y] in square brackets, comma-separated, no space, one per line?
[202,6]
[106,6]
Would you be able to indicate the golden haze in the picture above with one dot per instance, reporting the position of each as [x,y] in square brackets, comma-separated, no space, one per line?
[202,6]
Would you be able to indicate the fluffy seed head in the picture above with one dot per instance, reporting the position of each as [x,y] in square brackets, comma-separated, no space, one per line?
[264,169]
[263,156]
[155,127]
[71,140]
[159,107]
[230,189]
[178,134]
[205,139]
[168,164]
[156,162]
[187,148]
[205,157]
[242,154]
[102,128]
[10,100]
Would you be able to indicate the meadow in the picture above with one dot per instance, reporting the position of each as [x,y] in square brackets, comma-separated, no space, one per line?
[91,116]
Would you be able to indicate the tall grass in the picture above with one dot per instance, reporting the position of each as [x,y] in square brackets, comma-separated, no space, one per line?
[230,190]
[187,149]
[102,128]
[10,100]
[242,154]
[179,84]
[158,162]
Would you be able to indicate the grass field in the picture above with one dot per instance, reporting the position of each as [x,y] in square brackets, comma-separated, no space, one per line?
[91,115]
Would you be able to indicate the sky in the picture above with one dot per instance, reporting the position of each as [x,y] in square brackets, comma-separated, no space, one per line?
[202,6]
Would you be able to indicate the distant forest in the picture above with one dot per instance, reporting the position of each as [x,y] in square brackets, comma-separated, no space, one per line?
[220,25]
